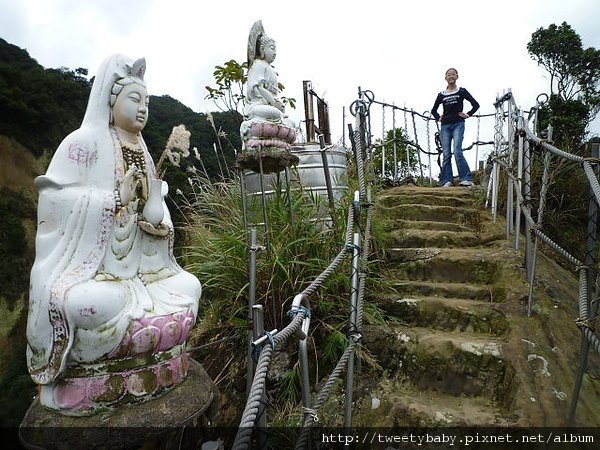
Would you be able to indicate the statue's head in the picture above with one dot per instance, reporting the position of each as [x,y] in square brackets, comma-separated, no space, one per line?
[129,99]
[267,49]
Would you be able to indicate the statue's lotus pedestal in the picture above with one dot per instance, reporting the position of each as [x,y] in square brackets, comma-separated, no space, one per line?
[153,424]
[268,148]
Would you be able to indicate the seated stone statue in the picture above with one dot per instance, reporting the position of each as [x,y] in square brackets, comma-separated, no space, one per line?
[266,127]
[110,309]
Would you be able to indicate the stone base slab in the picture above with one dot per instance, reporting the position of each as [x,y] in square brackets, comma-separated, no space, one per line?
[128,427]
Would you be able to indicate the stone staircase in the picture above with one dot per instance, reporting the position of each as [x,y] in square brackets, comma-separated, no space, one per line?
[457,348]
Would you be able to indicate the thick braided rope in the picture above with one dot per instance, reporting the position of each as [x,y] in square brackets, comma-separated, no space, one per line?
[360,169]
[362,275]
[312,287]
[244,433]
[592,338]
[323,394]
[536,140]
[591,176]
[583,320]
[557,248]
[544,189]
[583,294]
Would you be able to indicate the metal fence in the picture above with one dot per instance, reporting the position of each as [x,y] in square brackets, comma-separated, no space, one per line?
[419,136]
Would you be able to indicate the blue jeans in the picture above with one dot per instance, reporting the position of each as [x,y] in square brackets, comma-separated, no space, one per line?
[452,133]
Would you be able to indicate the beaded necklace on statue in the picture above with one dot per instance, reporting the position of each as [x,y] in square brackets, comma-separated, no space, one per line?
[134,155]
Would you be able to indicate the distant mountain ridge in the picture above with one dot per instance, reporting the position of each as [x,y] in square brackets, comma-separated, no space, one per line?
[40,106]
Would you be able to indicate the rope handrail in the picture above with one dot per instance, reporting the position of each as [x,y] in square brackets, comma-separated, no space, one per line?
[250,413]
[520,184]
[367,100]
[424,115]
[301,315]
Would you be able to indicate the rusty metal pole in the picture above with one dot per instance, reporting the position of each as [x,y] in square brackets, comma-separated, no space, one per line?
[309,114]
[327,175]
[323,113]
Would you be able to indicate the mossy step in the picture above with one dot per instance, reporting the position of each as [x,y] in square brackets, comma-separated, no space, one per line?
[391,402]
[409,190]
[463,265]
[401,224]
[446,290]
[456,363]
[434,238]
[450,314]
[415,211]
[406,197]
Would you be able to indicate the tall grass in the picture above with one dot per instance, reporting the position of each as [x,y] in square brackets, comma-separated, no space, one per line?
[299,250]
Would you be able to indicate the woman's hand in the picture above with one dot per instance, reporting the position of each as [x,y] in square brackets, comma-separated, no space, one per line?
[463,115]
[128,188]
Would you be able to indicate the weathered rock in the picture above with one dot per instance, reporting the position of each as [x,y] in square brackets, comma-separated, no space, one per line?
[195,402]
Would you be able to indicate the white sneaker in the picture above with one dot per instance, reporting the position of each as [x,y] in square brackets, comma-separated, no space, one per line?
[447,184]
[466,183]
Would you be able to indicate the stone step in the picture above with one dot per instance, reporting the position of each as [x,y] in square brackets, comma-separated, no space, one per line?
[434,238]
[480,292]
[449,314]
[394,403]
[425,198]
[456,363]
[401,224]
[408,191]
[443,265]
[469,217]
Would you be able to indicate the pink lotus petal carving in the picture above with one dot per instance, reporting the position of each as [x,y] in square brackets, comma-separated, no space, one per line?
[169,336]
[70,394]
[145,340]
[187,325]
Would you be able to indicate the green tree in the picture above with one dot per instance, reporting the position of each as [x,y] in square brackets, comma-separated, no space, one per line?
[574,81]
[573,103]
[228,95]
[395,138]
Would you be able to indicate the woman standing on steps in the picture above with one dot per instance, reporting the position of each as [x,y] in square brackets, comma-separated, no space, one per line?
[453,128]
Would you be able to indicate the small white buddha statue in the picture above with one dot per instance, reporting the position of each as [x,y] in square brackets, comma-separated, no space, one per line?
[265,126]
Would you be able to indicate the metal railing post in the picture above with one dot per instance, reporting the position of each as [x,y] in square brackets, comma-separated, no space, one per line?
[520,158]
[527,162]
[352,330]
[258,330]
[327,175]
[509,180]
[395,146]
[251,300]
[590,263]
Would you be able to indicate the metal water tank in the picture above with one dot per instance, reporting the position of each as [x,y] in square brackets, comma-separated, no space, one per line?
[309,175]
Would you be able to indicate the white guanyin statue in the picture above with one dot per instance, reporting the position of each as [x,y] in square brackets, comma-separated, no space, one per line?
[110,309]
[265,126]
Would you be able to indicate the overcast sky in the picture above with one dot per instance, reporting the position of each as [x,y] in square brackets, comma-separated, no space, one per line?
[399,50]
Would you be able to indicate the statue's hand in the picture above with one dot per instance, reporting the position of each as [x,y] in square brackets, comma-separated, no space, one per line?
[278,104]
[161,231]
[127,190]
